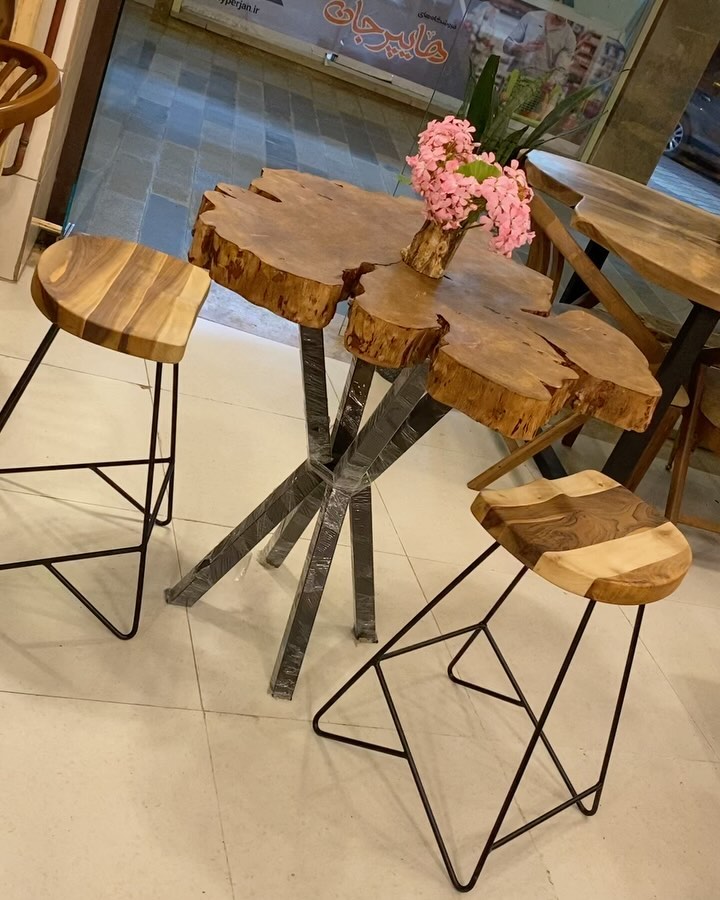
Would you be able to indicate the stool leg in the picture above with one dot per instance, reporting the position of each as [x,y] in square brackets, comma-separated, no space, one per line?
[618,710]
[376,658]
[173,446]
[27,376]
[150,513]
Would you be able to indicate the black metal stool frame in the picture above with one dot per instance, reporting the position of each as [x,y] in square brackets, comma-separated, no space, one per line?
[149,509]
[494,841]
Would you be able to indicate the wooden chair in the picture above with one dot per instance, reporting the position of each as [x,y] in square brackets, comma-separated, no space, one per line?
[700,428]
[29,86]
[552,248]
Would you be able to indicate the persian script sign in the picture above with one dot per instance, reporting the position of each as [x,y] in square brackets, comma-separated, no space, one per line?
[420,43]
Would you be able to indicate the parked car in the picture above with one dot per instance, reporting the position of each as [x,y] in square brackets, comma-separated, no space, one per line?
[698,131]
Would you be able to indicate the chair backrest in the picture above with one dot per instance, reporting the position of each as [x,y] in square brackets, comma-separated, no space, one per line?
[554,245]
[7,15]
[29,85]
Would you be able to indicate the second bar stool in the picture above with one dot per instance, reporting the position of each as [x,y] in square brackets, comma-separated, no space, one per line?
[585,534]
[131,299]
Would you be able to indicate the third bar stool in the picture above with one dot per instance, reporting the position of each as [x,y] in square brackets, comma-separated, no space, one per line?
[585,534]
[134,300]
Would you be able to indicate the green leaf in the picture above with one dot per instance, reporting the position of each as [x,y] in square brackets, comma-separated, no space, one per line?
[562,111]
[483,101]
[479,170]
[469,88]
[552,137]
[510,148]
[498,130]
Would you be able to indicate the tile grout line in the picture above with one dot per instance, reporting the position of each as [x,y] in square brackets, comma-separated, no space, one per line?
[49,365]
[208,742]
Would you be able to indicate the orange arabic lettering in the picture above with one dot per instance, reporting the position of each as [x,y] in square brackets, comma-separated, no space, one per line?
[339,13]
[400,44]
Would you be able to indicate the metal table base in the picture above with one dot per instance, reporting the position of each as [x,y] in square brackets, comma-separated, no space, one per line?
[336,477]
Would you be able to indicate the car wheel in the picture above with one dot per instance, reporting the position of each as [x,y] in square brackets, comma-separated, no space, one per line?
[679,139]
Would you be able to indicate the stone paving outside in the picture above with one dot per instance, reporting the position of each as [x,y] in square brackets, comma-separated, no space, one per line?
[182,109]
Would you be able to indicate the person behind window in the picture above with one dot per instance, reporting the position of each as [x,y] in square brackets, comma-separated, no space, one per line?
[542,46]
[480,22]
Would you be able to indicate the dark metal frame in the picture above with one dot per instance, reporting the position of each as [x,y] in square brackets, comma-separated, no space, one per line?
[334,479]
[149,508]
[576,798]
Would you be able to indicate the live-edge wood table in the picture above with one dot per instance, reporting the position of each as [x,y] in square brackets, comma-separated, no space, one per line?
[480,340]
[668,242]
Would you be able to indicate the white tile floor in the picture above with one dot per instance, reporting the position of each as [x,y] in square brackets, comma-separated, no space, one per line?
[160,769]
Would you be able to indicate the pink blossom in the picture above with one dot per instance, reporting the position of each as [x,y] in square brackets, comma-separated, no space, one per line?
[451,197]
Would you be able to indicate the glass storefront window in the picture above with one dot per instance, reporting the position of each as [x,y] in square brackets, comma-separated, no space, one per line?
[428,48]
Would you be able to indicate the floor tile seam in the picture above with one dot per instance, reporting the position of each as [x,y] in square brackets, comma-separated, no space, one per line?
[460,566]
[307,720]
[134,704]
[49,365]
[43,496]
[218,807]
[273,412]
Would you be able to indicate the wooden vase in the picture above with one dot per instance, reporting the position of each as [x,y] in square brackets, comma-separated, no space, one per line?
[431,249]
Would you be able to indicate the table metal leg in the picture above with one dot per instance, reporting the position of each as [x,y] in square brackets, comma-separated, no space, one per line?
[309,593]
[312,356]
[424,416]
[291,529]
[674,372]
[242,539]
[363,565]
[347,424]
[347,479]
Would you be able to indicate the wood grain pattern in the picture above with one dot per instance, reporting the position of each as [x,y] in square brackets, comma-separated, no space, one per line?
[301,254]
[297,244]
[510,369]
[671,243]
[590,536]
[120,295]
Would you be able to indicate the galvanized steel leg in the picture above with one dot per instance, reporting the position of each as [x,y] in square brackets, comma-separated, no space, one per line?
[242,539]
[291,530]
[424,416]
[363,565]
[312,355]
[308,594]
[347,479]
[344,432]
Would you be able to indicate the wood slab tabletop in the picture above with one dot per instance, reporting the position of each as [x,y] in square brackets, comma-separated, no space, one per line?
[671,243]
[297,244]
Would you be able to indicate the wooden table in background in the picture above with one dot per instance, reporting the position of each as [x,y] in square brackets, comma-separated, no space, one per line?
[670,243]
[479,340]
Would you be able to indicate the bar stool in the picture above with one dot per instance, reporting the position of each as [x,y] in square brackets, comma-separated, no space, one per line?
[585,534]
[133,300]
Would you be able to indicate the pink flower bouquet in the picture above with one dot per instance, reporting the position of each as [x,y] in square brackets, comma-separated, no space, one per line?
[463,189]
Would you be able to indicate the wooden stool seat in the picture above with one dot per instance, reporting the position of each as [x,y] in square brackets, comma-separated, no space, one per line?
[590,536]
[120,295]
